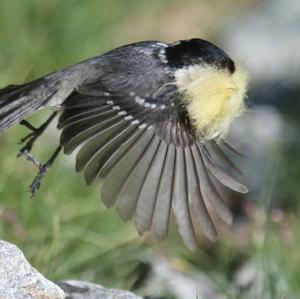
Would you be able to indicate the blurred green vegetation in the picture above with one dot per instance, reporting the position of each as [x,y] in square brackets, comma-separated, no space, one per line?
[65,231]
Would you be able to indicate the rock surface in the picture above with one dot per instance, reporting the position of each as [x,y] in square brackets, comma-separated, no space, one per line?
[84,290]
[19,280]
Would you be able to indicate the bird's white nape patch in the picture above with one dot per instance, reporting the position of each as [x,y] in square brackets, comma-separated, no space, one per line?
[213,96]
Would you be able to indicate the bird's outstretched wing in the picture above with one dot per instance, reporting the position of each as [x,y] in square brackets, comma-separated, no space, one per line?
[149,160]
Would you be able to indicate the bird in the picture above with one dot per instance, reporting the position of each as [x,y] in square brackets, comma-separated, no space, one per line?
[149,120]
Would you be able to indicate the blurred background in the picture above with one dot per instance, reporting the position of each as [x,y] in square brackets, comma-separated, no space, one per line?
[66,232]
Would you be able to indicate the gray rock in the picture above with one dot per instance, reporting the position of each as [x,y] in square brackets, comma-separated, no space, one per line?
[18,280]
[84,290]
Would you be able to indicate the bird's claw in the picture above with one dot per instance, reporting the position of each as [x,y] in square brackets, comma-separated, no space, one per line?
[36,183]
[42,171]
[42,168]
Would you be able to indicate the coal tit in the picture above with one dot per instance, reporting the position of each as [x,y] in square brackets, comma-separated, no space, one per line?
[150,119]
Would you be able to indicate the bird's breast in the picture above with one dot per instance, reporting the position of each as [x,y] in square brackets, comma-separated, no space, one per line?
[213,97]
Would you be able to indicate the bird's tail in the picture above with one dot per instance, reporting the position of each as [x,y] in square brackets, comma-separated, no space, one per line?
[19,101]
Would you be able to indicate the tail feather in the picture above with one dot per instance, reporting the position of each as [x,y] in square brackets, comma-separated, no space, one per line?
[19,101]
[11,92]
[9,88]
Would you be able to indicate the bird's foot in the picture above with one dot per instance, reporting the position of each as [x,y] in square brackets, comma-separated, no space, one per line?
[42,169]
[36,183]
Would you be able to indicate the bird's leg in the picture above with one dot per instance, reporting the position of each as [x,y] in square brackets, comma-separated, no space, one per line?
[43,169]
[33,136]
[25,151]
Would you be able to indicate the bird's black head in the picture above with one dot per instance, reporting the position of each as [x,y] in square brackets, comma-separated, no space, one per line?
[197,51]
